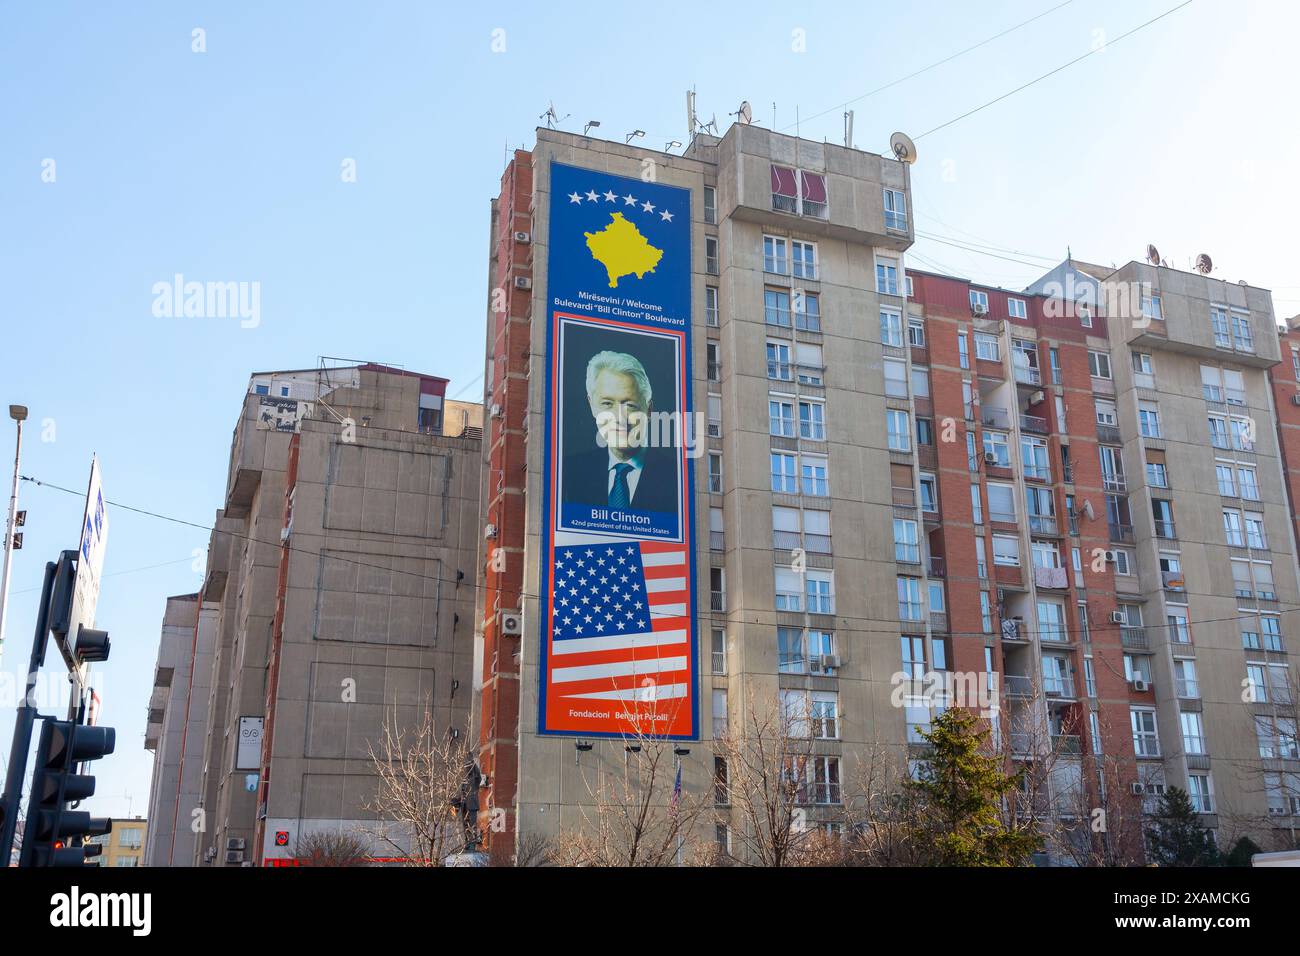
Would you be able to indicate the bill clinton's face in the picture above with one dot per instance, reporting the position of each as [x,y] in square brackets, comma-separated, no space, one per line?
[620,412]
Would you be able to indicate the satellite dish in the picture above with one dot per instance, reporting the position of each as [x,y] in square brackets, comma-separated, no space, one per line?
[1204,264]
[903,147]
[745,114]
[1153,255]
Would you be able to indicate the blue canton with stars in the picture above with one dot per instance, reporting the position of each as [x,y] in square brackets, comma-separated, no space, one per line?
[599,591]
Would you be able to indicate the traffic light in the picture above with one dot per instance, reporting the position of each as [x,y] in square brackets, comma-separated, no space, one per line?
[53,833]
[92,646]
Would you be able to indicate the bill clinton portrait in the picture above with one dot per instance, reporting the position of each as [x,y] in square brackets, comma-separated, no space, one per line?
[610,460]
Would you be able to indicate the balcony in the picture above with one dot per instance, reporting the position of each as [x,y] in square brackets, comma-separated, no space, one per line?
[1134,638]
[717,601]
[1173,580]
[1033,424]
[1018,685]
[1038,472]
[1054,578]
[1122,533]
[1165,529]
[1043,524]
[717,541]
[993,417]
[1108,434]
[1013,629]
[937,567]
[1026,375]
[1051,632]
[1069,745]
[1061,688]
[1114,482]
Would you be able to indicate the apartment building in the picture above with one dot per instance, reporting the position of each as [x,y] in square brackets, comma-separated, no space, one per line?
[337,593]
[125,845]
[791,244]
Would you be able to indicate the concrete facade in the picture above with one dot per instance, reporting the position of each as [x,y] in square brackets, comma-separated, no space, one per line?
[340,578]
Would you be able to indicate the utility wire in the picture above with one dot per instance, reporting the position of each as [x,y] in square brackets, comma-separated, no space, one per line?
[1063,66]
[751,616]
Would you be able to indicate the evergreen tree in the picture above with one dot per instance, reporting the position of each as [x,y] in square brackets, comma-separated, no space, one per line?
[1176,837]
[1241,852]
[958,796]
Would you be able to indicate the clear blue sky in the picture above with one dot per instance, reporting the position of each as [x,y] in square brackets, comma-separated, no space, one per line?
[225,166]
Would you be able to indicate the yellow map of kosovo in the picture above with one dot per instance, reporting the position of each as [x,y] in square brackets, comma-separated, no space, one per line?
[622,250]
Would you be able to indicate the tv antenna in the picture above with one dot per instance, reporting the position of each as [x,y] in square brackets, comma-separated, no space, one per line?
[1153,255]
[552,118]
[903,148]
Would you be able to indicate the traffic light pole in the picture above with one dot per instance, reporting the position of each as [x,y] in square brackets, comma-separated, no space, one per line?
[25,721]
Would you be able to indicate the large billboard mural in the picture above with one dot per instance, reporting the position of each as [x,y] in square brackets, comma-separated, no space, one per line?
[617,581]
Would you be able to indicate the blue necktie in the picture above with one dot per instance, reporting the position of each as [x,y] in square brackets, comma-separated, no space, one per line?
[619,495]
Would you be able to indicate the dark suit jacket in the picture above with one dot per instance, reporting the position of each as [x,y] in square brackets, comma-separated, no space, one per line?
[586,480]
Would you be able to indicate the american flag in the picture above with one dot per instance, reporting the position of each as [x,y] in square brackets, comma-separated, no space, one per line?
[621,621]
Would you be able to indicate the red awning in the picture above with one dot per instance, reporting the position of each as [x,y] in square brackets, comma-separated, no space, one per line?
[814,187]
[783,183]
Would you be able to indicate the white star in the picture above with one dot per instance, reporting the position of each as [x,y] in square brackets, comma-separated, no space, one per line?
[629,200]
[592,195]
[666,216]
[574,197]
[609,195]
[648,206]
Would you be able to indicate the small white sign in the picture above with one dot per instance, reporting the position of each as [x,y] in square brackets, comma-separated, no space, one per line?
[248,752]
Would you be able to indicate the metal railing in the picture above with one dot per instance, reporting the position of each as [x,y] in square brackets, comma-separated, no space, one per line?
[1038,472]
[1114,482]
[1121,532]
[1165,529]
[1173,580]
[1042,524]
[1133,637]
[717,541]
[1033,423]
[1026,375]
[1108,434]
[993,417]
[937,567]
[1018,685]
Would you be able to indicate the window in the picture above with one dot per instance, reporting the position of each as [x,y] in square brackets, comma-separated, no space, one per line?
[789,590]
[284,391]
[1002,502]
[1243,336]
[1227,480]
[1006,550]
[909,599]
[776,307]
[1263,581]
[262,389]
[1106,413]
[1218,431]
[812,421]
[907,546]
[1143,371]
[1255,537]
[781,418]
[814,477]
[977,513]
[717,589]
[895,210]
[1033,454]
[913,656]
[807,311]
[808,357]
[711,255]
[1146,742]
[1256,684]
[783,473]
[929,493]
[1098,364]
[718,645]
[1185,684]
[1219,321]
[824,707]
[1163,514]
[789,648]
[710,205]
[1201,792]
[1151,307]
[891,328]
[1016,308]
[937,603]
[900,430]
[775,257]
[1137,668]
[1051,621]
[1271,628]
[979,302]
[1232,528]
[804,257]
[820,586]
[1157,476]
[916,333]
[1277,737]
[986,613]
[711,306]
[720,796]
[987,347]
[1193,733]
[1089,678]
[887,276]
[1149,419]
[719,712]
[712,362]
[1243,434]
[778,362]
[1246,477]
[1178,630]
[924,431]
[997,445]
[715,473]
[895,378]
[920,381]
[1211,383]
[963,351]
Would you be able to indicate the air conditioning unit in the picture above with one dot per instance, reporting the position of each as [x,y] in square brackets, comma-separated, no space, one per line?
[1117,617]
[976,309]
[990,458]
[830,662]
[523,237]
[1110,558]
[512,623]
[1137,789]
[234,856]
[1140,685]
[523,282]
[235,843]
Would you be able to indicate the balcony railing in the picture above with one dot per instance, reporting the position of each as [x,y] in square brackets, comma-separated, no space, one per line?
[1173,580]
[1038,472]
[1027,376]
[1108,434]
[1114,482]
[717,541]
[1033,423]
[1165,529]
[1018,685]
[1067,476]
[1055,633]
[937,567]
[1003,517]
[1062,687]
[1069,744]
[993,417]
[717,601]
[1042,524]
[1121,532]
[1133,637]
